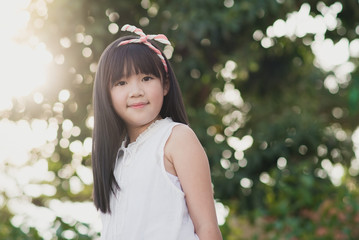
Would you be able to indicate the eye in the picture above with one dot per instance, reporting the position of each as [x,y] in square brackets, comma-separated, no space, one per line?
[120,83]
[147,78]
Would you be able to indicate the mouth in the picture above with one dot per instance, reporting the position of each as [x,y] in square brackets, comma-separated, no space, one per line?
[138,105]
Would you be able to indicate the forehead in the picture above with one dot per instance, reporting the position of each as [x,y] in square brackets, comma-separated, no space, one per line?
[135,58]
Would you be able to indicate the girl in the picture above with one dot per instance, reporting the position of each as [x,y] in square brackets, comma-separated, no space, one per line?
[151,174]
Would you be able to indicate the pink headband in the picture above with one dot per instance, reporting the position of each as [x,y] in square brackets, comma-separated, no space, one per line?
[143,39]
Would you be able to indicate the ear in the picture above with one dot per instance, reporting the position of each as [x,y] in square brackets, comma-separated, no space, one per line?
[166,87]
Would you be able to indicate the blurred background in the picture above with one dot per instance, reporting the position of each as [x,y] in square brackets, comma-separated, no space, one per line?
[271,88]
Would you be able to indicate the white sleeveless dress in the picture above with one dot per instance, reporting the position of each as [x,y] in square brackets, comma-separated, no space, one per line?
[149,205]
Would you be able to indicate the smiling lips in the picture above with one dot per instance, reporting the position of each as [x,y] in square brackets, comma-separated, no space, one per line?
[138,105]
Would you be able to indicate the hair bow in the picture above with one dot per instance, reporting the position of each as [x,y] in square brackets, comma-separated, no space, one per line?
[144,39]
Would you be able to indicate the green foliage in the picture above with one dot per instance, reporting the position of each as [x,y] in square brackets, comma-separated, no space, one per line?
[296,209]
[8,231]
[71,230]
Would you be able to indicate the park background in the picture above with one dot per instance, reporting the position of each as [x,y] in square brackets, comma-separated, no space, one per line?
[271,88]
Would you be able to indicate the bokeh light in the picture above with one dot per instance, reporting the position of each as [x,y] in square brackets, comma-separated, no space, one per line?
[23,65]
[25,145]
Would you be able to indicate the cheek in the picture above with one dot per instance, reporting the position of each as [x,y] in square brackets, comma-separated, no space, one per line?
[117,93]
[158,94]
[117,99]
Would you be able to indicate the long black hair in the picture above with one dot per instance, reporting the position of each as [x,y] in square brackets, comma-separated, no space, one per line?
[109,129]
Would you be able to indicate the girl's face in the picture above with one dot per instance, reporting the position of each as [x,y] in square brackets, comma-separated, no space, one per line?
[138,99]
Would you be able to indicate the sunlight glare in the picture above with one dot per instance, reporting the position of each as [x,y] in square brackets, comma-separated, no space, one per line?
[328,55]
[355,139]
[240,144]
[84,212]
[23,66]
[335,171]
[222,212]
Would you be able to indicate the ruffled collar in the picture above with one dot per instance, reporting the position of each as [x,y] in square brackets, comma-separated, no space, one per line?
[144,135]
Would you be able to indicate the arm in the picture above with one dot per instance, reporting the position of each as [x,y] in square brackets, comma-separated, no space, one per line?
[190,162]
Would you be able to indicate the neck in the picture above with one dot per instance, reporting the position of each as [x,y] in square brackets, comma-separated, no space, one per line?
[134,131]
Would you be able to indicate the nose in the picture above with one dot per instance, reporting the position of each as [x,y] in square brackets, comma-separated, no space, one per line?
[136,89]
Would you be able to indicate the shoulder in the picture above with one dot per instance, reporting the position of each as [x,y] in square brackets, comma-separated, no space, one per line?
[182,133]
[182,141]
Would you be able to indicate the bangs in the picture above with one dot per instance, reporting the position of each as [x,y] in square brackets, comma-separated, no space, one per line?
[135,58]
